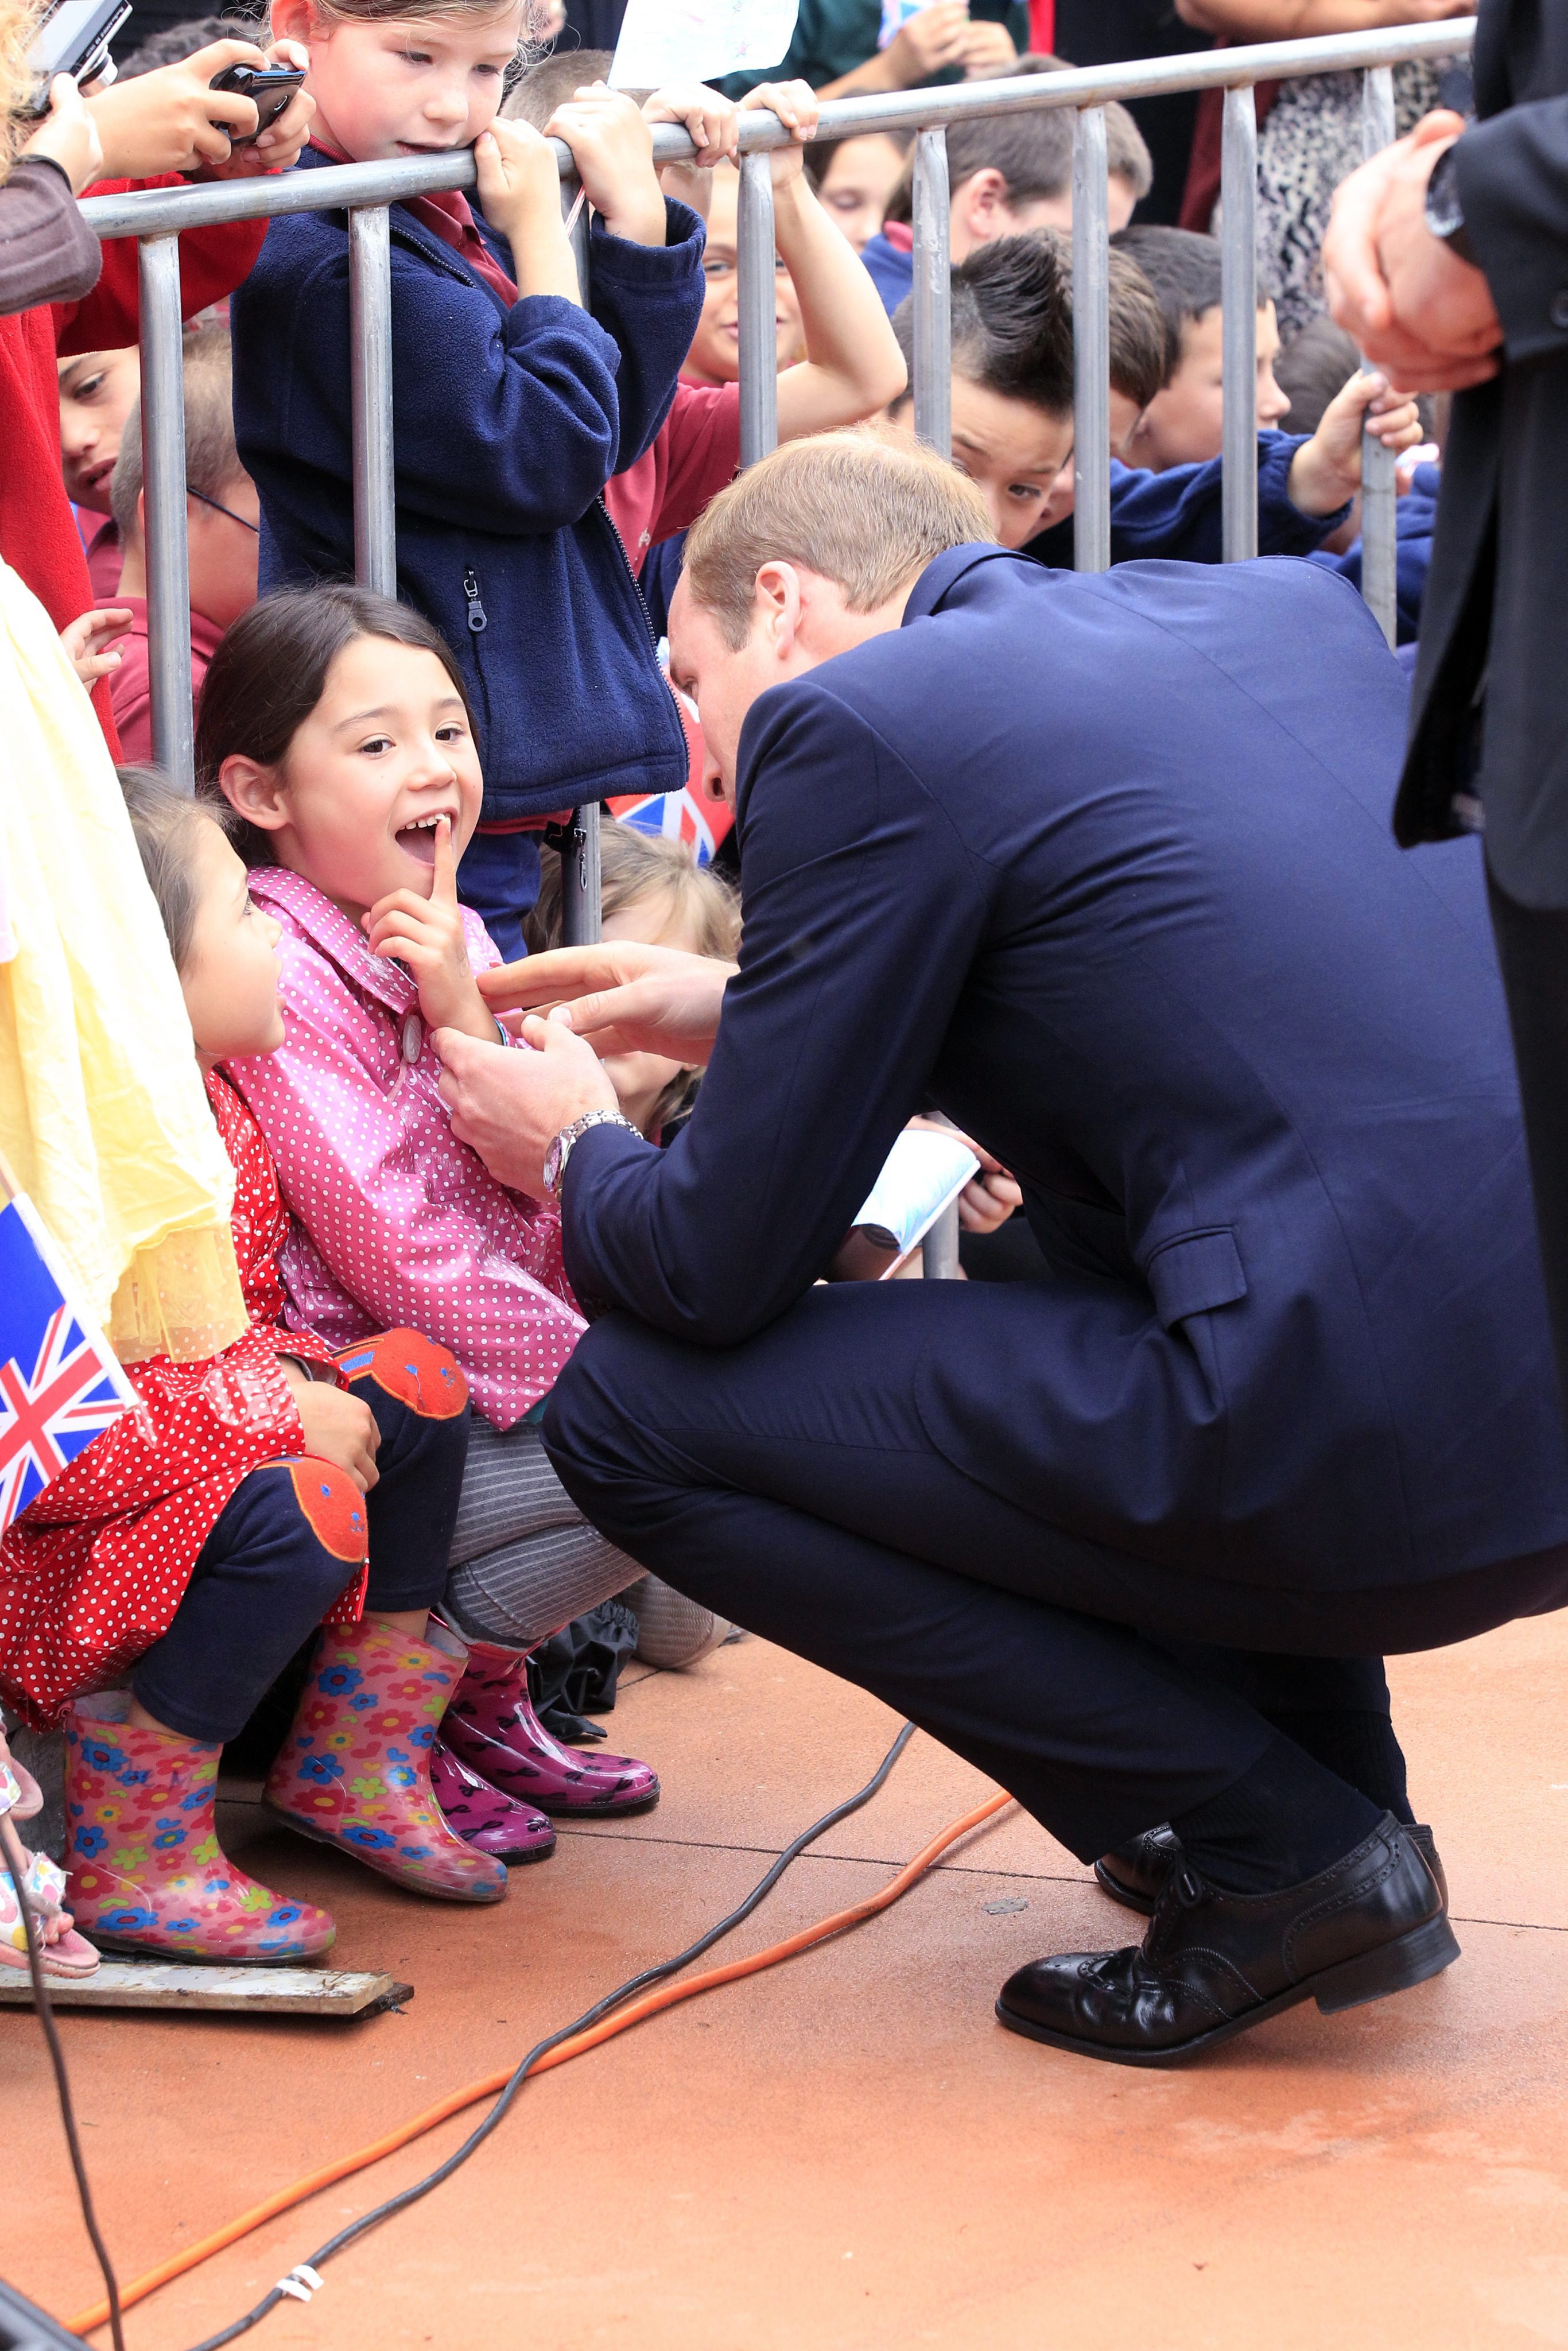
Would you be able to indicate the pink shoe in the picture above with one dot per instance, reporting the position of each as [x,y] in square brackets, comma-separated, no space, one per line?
[147,1873]
[482,1815]
[354,1771]
[491,1725]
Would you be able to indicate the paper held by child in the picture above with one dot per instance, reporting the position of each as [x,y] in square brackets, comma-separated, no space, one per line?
[667,41]
[924,1174]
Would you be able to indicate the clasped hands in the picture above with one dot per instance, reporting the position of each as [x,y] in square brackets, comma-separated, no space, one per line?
[1412,305]
[624,996]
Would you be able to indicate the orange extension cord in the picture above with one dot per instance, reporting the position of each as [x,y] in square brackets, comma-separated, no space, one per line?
[493,2083]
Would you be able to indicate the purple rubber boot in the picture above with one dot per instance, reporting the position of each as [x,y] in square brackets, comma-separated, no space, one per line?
[487,1817]
[491,1725]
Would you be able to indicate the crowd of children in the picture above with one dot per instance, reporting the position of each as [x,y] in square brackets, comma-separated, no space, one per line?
[354,1488]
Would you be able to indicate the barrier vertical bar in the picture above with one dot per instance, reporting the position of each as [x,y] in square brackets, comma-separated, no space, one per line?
[1091,343]
[932,226]
[370,331]
[756,260]
[1379,489]
[163,477]
[1238,287]
[581,915]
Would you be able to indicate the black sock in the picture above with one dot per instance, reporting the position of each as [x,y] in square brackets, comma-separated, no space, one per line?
[1358,1746]
[1281,1822]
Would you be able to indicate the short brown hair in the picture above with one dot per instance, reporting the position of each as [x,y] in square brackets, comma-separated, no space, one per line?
[865,509]
[212,460]
[1033,150]
[536,94]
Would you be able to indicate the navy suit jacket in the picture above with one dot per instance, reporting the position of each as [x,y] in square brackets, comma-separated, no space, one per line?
[1101,865]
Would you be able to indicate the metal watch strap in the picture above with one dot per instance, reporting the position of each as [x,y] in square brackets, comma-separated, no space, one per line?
[566,1141]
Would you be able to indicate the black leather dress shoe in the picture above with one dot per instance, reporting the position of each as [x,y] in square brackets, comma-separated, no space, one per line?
[1135,1873]
[1212,1963]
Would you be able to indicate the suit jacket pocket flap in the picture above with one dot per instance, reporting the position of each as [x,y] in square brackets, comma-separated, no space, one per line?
[1193,1272]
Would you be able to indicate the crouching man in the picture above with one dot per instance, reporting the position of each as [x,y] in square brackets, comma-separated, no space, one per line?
[1100,865]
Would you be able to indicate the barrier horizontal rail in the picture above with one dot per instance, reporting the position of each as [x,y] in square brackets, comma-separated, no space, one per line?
[365,190]
[338,186]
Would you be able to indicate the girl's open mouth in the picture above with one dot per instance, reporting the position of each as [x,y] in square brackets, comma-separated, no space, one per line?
[418,840]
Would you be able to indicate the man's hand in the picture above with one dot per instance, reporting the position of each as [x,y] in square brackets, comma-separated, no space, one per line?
[88,638]
[1326,470]
[1412,305]
[509,1107]
[795,104]
[630,998]
[612,148]
[426,933]
[338,1426]
[70,136]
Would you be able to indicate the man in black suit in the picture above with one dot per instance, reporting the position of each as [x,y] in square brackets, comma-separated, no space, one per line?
[1447,261]
[1100,864]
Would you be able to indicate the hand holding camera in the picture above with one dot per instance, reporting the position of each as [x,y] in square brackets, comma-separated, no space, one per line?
[195,118]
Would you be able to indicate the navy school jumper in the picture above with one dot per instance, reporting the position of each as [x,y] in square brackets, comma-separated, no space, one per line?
[508,424]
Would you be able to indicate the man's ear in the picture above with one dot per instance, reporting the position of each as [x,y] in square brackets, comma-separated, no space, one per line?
[254,792]
[776,601]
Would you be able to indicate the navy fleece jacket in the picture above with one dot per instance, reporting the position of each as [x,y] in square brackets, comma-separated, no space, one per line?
[508,424]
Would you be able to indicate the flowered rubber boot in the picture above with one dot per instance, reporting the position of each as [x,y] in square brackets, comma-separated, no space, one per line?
[354,1771]
[147,1873]
[491,1725]
[483,1816]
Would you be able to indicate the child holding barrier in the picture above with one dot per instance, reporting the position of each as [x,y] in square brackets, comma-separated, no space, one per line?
[197,1541]
[335,724]
[518,396]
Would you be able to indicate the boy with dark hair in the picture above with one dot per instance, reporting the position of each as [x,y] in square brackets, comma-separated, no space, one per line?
[1012,372]
[1009,173]
[1012,419]
[1183,426]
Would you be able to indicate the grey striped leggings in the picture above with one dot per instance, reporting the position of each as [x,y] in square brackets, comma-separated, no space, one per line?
[524,1559]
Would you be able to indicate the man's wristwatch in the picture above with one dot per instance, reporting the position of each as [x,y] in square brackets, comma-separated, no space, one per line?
[1445,214]
[566,1141]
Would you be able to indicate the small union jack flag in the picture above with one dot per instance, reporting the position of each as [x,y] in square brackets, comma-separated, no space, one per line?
[60,1384]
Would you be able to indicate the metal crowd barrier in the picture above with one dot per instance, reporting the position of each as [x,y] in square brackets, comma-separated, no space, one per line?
[156,218]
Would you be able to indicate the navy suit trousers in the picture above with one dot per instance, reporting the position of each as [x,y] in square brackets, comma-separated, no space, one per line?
[788,1483]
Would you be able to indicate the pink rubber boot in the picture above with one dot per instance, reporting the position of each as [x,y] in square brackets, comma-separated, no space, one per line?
[354,1771]
[491,1725]
[147,1873]
[484,1816]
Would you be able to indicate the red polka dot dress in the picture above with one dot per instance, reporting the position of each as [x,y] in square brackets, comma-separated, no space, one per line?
[92,1571]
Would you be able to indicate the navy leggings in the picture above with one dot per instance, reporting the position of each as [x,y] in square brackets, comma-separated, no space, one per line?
[289,1539]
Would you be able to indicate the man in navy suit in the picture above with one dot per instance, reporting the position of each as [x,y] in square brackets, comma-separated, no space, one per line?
[1101,867]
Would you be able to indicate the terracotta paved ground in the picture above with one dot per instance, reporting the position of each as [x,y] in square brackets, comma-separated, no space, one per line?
[848,2151]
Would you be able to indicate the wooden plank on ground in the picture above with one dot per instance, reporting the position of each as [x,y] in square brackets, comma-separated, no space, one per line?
[254,1992]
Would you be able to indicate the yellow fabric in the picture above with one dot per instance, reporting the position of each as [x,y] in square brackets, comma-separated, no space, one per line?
[103,1117]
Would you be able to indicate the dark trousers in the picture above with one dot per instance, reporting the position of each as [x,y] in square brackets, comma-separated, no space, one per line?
[789,1483]
[1532,949]
[290,1538]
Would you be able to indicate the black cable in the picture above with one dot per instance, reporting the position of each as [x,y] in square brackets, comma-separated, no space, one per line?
[601,2008]
[14,1864]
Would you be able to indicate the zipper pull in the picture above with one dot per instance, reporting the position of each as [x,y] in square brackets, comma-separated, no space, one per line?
[477,619]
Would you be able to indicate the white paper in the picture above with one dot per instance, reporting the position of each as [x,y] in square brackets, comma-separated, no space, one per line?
[922,1173]
[664,41]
